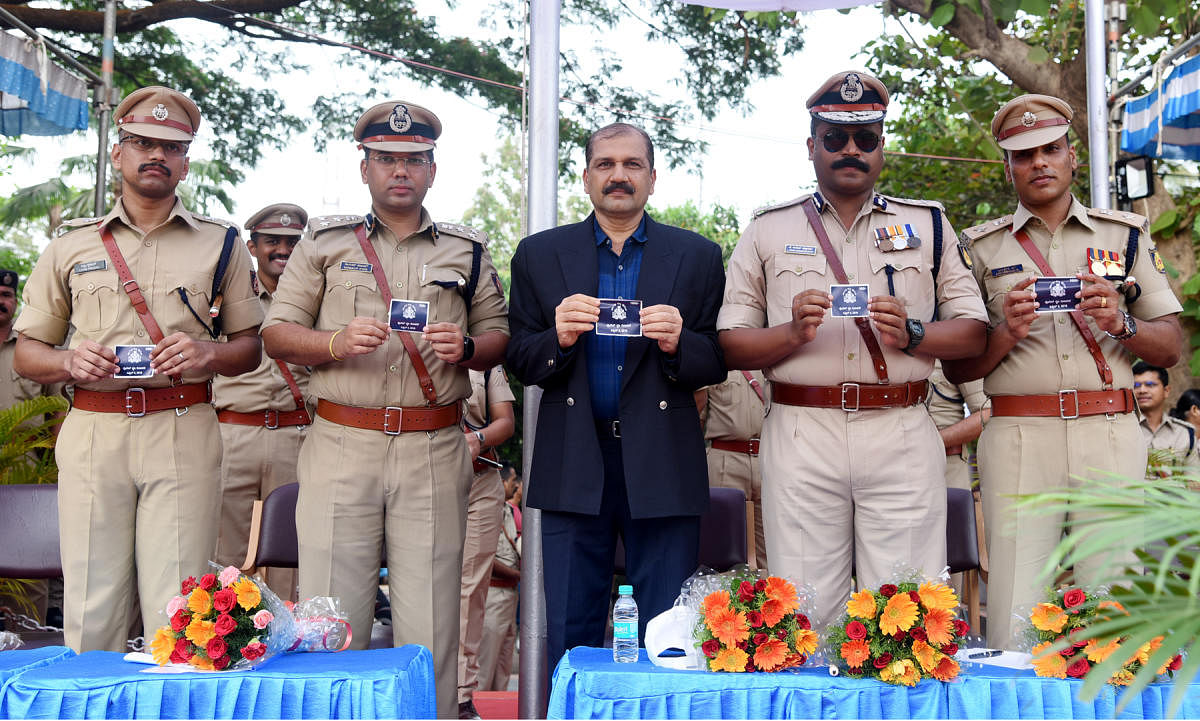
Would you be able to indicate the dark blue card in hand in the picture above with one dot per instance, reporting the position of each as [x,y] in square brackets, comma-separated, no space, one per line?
[408,315]
[849,301]
[133,361]
[1055,295]
[619,317]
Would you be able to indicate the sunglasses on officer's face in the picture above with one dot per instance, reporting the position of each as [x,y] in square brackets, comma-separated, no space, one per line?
[835,139]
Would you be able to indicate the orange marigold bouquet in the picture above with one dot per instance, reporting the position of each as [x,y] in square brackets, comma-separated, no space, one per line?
[1066,612]
[229,621]
[749,621]
[899,633]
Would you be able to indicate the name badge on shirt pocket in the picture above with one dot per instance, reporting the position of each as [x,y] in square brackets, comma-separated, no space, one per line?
[81,268]
[360,267]
[800,249]
[1007,270]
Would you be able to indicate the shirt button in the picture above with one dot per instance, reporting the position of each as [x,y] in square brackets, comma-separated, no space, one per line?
[1061,319]
[147,243]
[849,356]
[662,405]
[620,267]
[620,368]
[849,240]
[550,362]
[1054,245]
[348,284]
[141,333]
[850,276]
[1066,356]
[392,368]
[570,401]
[399,284]
[91,286]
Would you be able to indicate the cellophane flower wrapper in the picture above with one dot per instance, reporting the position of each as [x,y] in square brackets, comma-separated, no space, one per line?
[749,620]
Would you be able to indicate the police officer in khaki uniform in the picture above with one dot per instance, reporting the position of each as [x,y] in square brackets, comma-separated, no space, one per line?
[263,414]
[499,641]
[489,422]
[852,464]
[733,417]
[1062,406]
[138,457]
[385,461]
[1175,439]
[948,404]
[13,387]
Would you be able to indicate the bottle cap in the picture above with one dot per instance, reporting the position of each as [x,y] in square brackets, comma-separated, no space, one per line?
[625,590]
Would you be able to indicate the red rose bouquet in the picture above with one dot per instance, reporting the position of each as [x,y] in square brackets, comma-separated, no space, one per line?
[899,633]
[230,621]
[1069,610]
[753,622]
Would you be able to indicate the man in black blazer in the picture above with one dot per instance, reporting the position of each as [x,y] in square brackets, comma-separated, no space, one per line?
[619,449]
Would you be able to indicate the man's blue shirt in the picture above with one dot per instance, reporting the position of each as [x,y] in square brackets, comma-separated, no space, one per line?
[606,353]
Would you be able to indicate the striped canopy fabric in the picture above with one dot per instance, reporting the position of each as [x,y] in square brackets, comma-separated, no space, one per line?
[1166,123]
[37,97]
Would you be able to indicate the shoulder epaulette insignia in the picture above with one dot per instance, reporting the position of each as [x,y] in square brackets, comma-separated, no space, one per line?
[1133,220]
[780,206]
[970,235]
[916,201]
[325,222]
[215,221]
[462,231]
[68,225]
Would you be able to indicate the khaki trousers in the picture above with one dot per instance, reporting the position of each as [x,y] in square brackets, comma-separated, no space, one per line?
[256,461]
[742,471]
[138,506]
[360,489]
[866,485]
[499,638]
[1020,455]
[485,512]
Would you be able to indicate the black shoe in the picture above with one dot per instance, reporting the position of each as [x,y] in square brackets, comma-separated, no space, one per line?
[466,710]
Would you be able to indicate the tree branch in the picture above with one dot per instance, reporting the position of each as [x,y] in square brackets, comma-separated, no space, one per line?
[91,21]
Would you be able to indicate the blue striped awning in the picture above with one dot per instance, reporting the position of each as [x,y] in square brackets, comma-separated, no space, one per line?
[1175,108]
[37,97]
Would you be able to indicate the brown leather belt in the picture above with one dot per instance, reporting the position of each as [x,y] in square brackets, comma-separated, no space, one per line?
[267,419]
[137,402]
[392,420]
[750,446]
[1065,404]
[502,583]
[850,396]
[953,450]
[480,466]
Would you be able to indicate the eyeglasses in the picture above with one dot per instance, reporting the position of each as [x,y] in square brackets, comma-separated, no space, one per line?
[412,165]
[835,139]
[146,145]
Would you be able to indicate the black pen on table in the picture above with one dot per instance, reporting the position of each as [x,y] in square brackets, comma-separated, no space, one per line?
[984,654]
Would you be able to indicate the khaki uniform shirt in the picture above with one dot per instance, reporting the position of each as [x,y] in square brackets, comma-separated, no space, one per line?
[509,552]
[1054,356]
[328,281]
[1175,436]
[486,393]
[264,388]
[15,388]
[779,256]
[946,399]
[735,412]
[74,283]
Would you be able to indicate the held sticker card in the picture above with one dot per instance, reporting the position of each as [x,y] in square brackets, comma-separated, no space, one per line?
[408,315]
[619,317]
[133,361]
[849,301]
[1056,295]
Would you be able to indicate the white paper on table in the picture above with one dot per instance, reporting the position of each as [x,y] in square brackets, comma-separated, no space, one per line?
[1006,659]
[145,658]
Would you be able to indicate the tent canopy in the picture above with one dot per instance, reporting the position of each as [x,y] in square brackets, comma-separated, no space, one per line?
[38,97]
[1166,123]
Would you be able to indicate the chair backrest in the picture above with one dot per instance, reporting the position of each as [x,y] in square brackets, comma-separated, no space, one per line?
[277,544]
[722,532]
[962,539]
[29,531]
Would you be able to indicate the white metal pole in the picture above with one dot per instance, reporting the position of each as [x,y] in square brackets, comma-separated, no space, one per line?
[104,104]
[1097,104]
[534,683]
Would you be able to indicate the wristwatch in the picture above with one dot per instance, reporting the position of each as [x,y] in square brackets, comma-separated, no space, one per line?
[468,349]
[1130,328]
[482,440]
[916,334]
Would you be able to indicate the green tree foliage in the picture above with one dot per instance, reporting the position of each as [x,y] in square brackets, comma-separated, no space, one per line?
[719,224]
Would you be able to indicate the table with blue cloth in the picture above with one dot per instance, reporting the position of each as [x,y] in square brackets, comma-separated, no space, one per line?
[587,684]
[382,683]
[13,663]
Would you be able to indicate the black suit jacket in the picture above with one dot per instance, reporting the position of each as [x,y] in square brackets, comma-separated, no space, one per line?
[662,444]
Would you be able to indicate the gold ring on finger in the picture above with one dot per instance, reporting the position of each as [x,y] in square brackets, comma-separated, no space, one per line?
[1104,301]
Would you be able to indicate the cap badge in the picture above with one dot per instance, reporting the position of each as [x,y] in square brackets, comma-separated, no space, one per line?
[159,112]
[852,88]
[400,120]
[8,279]
[1028,119]
[285,219]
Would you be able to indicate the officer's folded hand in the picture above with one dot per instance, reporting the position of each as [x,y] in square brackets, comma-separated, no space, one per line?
[1100,301]
[663,323]
[90,362]
[180,352]
[1020,308]
[575,315]
[888,314]
[361,336]
[446,339]
[808,313]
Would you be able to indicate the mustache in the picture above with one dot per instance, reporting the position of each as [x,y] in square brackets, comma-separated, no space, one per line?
[619,185]
[145,166]
[849,162]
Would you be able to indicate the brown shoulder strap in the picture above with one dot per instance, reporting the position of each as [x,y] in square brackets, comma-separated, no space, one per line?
[839,272]
[1093,347]
[130,285]
[754,384]
[410,346]
[291,383]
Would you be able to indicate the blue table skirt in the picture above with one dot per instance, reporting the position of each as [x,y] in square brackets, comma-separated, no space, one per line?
[18,661]
[383,683]
[587,684]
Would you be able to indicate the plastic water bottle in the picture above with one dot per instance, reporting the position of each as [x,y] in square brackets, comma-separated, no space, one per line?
[625,627]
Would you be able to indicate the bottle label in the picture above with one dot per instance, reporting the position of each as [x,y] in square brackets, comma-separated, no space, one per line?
[625,629]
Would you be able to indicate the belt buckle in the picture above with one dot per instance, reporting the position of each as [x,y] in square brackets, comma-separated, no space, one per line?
[387,415]
[857,396]
[616,428]
[1062,396]
[129,402]
[267,416]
